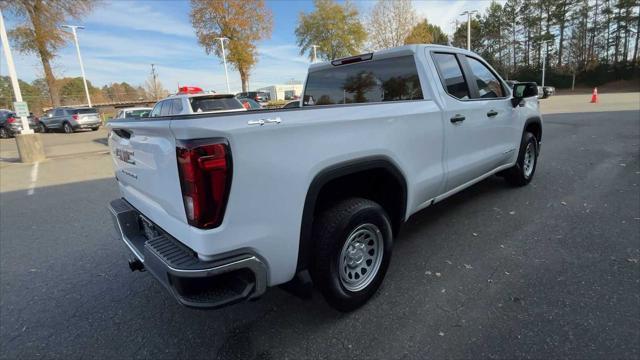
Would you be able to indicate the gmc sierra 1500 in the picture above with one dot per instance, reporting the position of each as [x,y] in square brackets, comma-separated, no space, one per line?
[218,207]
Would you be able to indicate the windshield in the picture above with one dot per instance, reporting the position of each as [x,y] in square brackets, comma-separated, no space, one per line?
[205,103]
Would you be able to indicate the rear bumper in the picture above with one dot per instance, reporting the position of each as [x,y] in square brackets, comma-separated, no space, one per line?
[232,278]
[85,125]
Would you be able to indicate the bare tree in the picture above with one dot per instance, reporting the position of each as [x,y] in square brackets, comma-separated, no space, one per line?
[390,22]
[39,30]
[153,87]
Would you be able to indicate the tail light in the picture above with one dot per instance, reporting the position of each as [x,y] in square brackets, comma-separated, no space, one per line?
[205,179]
[75,116]
[11,119]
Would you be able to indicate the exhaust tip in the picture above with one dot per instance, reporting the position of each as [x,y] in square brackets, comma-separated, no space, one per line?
[136,265]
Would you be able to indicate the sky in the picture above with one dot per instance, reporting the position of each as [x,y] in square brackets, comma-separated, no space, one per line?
[123,38]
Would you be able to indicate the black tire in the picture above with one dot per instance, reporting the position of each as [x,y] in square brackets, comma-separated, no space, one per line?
[517,175]
[330,234]
[4,134]
[43,128]
[67,128]
[95,128]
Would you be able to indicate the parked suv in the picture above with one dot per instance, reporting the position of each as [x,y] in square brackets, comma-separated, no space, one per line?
[220,206]
[69,119]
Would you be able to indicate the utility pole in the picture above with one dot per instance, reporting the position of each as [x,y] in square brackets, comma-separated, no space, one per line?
[154,75]
[224,59]
[469,13]
[84,78]
[315,57]
[29,144]
[544,60]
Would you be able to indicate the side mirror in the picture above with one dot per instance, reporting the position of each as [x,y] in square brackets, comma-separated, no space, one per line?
[523,91]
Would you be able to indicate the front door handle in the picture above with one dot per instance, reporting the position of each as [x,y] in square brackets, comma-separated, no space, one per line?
[492,113]
[457,118]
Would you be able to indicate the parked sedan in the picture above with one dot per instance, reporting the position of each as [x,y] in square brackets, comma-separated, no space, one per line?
[70,119]
[9,124]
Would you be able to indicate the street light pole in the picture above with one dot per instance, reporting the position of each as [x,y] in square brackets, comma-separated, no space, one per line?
[224,59]
[544,60]
[29,144]
[12,73]
[315,57]
[84,78]
[469,13]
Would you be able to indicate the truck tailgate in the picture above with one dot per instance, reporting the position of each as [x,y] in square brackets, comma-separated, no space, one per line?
[144,158]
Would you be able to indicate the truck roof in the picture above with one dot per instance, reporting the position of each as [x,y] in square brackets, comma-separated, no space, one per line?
[393,52]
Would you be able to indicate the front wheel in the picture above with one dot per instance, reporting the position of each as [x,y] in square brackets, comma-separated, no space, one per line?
[95,128]
[4,134]
[524,169]
[67,128]
[352,242]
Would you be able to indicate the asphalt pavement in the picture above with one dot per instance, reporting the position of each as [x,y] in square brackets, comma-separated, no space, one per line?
[551,270]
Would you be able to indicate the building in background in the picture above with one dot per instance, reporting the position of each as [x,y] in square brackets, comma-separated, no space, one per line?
[283,91]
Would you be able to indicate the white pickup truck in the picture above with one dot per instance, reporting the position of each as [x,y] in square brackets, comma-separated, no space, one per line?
[219,207]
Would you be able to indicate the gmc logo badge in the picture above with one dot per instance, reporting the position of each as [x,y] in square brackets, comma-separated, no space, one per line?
[125,155]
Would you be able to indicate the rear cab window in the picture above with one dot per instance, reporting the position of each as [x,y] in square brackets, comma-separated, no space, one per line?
[214,103]
[391,79]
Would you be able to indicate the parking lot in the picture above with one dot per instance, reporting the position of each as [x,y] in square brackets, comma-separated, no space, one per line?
[545,271]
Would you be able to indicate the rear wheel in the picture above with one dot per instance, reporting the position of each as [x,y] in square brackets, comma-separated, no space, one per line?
[524,169]
[67,128]
[352,242]
[43,128]
[95,128]
[4,134]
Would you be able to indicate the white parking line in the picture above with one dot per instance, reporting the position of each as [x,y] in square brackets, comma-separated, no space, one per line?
[34,178]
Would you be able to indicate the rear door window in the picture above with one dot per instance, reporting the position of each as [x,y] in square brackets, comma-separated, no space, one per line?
[166,108]
[489,85]
[451,75]
[393,79]
[176,106]
[156,110]
[59,112]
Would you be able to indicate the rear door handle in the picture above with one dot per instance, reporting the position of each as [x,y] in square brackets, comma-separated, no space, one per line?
[457,118]
[492,113]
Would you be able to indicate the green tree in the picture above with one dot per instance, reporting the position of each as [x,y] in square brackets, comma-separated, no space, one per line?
[460,35]
[425,33]
[334,28]
[243,22]
[39,32]
[72,91]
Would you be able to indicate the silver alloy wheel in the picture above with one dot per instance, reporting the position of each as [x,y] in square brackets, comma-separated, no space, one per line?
[67,128]
[361,257]
[529,160]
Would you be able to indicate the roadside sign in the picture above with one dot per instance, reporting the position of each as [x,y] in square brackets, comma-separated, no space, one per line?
[21,108]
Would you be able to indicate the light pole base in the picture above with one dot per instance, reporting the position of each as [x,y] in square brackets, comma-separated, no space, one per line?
[30,147]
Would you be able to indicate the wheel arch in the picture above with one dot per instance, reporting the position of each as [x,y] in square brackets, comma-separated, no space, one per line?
[533,124]
[336,172]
